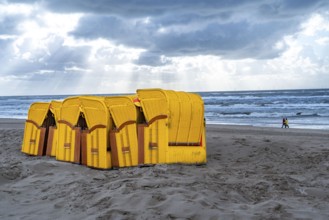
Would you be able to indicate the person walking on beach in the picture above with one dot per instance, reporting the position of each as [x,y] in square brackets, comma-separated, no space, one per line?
[283,123]
[286,125]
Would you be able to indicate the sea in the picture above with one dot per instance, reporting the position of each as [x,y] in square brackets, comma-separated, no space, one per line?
[304,108]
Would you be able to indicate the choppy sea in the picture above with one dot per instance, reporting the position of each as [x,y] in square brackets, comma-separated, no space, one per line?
[303,108]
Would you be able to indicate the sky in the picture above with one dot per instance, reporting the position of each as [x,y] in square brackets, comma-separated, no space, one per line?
[50,47]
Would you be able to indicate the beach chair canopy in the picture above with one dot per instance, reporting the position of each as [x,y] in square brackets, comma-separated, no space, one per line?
[122,109]
[38,112]
[154,103]
[91,108]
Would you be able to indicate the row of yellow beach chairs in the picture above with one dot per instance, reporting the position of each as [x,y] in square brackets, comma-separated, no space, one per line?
[154,126]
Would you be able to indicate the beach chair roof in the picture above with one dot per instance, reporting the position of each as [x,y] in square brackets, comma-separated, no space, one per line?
[93,109]
[122,109]
[38,112]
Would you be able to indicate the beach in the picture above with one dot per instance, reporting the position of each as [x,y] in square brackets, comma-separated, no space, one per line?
[251,173]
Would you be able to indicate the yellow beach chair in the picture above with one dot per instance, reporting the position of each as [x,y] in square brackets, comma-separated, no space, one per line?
[174,128]
[123,131]
[39,129]
[83,132]
[153,132]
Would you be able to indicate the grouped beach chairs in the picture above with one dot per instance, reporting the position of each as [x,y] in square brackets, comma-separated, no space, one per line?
[154,126]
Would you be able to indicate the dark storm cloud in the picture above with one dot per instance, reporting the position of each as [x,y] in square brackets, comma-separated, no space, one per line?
[133,8]
[232,40]
[142,8]
[231,29]
[114,28]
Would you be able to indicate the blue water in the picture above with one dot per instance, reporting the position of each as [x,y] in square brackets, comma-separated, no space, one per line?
[303,108]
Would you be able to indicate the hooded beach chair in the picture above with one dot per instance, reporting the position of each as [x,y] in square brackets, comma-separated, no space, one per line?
[123,131]
[153,131]
[174,128]
[83,132]
[38,128]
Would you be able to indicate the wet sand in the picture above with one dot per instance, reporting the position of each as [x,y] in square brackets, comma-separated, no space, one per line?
[252,173]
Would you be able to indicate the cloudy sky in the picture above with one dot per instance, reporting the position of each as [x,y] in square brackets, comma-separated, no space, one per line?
[106,46]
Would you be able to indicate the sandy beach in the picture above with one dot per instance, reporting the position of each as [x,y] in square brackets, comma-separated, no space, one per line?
[252,173]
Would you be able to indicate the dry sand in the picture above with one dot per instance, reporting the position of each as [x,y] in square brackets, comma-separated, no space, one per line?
[252,173]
